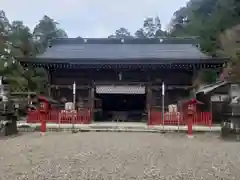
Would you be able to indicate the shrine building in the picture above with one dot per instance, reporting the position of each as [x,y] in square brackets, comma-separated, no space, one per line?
[122,75]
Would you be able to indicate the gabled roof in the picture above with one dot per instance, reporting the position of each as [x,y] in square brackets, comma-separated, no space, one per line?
[123,51]
[75,48]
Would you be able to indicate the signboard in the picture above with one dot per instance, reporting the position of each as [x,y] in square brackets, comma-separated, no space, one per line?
[120,89]
[219,98]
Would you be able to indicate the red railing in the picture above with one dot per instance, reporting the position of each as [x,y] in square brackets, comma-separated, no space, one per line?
[154,117]
[62,117]
[203,118]
[179,118]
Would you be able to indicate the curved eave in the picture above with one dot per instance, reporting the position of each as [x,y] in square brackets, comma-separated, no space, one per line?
[152,61]
[211,87]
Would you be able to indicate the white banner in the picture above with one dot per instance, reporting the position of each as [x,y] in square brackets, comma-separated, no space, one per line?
[163,89]
[118,89]
[74,88]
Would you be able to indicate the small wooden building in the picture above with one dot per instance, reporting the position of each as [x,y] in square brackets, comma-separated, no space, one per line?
[122,74]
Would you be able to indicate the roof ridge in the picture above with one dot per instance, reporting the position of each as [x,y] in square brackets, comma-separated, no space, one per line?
[163,40]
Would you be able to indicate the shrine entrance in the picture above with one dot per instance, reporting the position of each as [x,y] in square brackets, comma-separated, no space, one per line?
[121,104]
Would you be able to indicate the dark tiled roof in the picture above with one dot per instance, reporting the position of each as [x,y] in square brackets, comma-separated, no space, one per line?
[116,49]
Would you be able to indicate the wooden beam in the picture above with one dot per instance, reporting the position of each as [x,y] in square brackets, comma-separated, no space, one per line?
[158,87]
[86,86]
[154,86]
[99,83]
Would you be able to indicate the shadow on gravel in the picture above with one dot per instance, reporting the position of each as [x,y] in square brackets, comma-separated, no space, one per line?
[2,137]
[24,126]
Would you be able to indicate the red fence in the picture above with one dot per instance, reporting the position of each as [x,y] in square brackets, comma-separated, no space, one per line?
[62,117]
[154,117]
[179,118]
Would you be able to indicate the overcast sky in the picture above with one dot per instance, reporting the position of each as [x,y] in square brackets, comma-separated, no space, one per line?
[91,18]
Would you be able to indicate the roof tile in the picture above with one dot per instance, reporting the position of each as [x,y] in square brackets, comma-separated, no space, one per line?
[116,49]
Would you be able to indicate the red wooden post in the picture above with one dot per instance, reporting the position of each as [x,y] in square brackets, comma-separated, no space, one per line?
[44,108]
[190,125]
[149,116]
[191,113]
[43,127]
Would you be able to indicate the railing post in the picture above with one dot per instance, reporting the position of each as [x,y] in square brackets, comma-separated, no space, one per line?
[163,104]
[210,122]
[43,127]
[90,111]
[178,119]
[211,116]
[189,126]
[74,107]
[59,119]
[149,117]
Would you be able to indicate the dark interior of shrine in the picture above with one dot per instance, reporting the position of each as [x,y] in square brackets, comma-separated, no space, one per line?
[121,107]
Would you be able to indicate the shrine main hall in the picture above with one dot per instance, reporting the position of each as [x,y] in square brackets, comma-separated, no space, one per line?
[122,75]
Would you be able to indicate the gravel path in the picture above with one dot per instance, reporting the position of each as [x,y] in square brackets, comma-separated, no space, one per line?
[97,156]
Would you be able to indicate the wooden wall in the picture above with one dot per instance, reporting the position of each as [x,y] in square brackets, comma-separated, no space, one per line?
[85,79]
[170,77]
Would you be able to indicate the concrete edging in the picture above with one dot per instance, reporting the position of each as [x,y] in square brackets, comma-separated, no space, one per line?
[115,127]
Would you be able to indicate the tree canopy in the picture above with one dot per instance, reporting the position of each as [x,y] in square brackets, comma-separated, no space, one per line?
[17,40]
[214,22]
[45,30]
[121,33]
[151,28]
[206,19]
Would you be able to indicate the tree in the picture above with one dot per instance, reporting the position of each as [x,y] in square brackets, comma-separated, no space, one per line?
[140,33]
[178,22]
[6,57]
[230,43]
[121,33]
[46,30]
[9,66]
[152,28]
[22,39]
[206,19]
[17,41]
[36,79]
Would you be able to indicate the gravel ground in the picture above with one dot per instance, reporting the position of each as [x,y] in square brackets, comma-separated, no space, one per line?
[95,155]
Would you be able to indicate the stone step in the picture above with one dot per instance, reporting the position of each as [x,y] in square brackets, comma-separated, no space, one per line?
[121,127]
[90,130]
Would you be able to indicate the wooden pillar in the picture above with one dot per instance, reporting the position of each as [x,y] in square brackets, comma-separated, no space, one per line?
[92,101]
[195,74]
[49,83]
[148,101]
